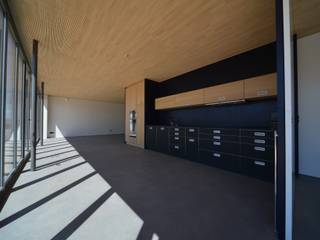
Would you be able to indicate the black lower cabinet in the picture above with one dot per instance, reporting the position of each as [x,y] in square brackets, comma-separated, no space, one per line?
[151,137]
[177,141]
[192,148]
[250,152]
[162,139]
[220,160]
[220,146]
[258,151]
[178,150]
[258,168]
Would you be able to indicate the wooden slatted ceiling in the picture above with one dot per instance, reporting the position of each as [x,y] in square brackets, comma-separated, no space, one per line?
[306,17]
[93,49]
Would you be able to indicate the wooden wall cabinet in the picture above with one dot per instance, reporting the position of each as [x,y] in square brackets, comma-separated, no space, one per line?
[191,98]
[165,102]
[224,93]
[261,86]
[134,101]
[253,88]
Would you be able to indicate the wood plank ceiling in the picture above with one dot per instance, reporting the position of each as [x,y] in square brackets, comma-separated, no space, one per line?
[93,49]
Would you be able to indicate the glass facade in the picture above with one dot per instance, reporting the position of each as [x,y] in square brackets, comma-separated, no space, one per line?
[10,108]
[27,110]
[15,102]
[19,113]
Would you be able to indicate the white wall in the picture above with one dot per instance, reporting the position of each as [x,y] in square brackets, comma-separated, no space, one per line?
[73,117]
[45,117]
[309,104]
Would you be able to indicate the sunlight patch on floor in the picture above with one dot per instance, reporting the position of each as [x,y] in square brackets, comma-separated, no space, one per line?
[66,198]
[114,218]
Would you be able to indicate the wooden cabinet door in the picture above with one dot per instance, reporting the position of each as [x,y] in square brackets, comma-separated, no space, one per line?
[165,102]
[135,101]
[224,93]
[186,99]
[140,128]
[192,98]
[261,87]
[131,101]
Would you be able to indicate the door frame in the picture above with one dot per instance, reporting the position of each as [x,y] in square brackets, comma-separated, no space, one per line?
[285,150]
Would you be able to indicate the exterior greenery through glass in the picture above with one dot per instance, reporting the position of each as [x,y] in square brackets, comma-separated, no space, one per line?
[15,103]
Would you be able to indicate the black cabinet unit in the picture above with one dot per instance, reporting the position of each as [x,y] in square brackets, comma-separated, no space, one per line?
[177,143]
[178,150]
[259,152]
[246,151]
[192,143]
[177,131]
[162,139]
[257,148]
[192,132]
[258,168]
[221,148]
[151,137]
[221,160]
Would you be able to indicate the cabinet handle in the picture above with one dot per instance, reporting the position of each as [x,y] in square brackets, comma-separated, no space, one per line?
[275,135]
[216,143]
[217,155]
[150,128]
[217,137]
[260,134]
[221,98]
[176,129]
[261,149]
[176,134]
[262,93]
[176,138]
[162,128]
[260,163]
[176,147]
[260,141]
[216,131]
[191,140]
[191,130]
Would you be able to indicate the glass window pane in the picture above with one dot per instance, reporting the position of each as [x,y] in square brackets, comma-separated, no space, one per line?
[1,36]
[29,110]
[38,115]
[27,114]
[19,108]
[10,107]
[1,43]
[37,119]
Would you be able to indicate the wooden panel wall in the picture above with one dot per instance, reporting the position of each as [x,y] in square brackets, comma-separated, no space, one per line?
[135,100]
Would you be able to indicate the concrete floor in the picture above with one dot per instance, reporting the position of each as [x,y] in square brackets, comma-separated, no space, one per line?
[99,188]
[306,208]
[64,193]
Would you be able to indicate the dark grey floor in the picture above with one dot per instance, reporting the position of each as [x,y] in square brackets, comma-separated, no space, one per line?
[180,199]
[307,208]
